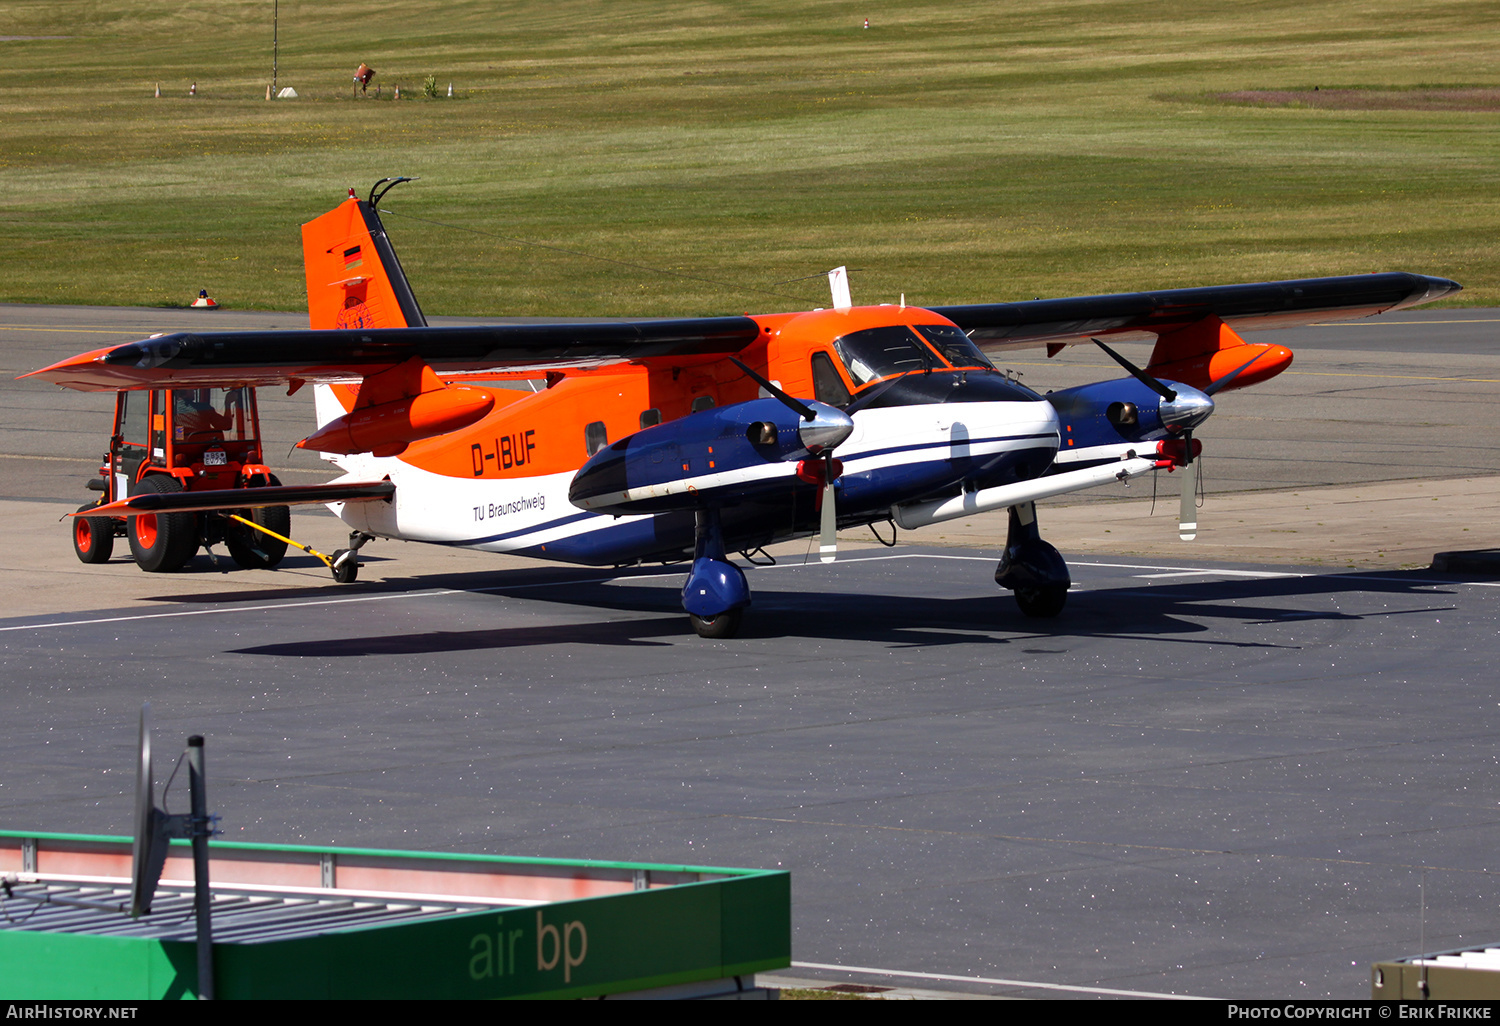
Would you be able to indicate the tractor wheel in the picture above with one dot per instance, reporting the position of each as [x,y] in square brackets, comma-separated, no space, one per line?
[161,542]
[93,537]
[256,550]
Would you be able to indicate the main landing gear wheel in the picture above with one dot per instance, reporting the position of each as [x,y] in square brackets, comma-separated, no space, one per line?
[161,542]
[1042,601]
[93,537]
[725,625]
[256,550]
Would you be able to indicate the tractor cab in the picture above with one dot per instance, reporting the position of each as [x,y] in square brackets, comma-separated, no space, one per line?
[184,440]
[202,437]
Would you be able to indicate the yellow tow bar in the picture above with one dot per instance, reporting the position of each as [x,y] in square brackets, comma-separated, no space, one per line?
[342,563]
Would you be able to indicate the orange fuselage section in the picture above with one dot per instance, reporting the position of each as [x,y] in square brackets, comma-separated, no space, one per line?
[555,429]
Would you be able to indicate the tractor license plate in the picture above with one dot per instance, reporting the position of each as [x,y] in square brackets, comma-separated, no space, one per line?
[215,458]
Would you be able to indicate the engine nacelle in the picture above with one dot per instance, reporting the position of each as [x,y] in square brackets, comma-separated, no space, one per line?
[1107,412]
[717,455]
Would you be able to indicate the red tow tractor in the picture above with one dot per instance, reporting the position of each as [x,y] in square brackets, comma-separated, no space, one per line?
[177,440]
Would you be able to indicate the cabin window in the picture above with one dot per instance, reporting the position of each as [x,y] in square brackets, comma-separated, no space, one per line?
[134,418]
[954,345]
[703,402]
[210,414]
[595,437]
[828,387]
[650,418]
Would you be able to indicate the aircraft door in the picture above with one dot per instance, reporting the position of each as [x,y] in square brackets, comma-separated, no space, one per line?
[132,422]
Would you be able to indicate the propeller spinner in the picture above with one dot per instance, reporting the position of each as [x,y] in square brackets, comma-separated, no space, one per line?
[824,429]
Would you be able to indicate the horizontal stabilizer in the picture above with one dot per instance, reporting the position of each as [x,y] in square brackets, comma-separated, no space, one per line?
[242,498]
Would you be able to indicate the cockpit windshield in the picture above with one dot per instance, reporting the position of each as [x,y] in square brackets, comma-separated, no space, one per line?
[877,353]
[881,352]
[954,345]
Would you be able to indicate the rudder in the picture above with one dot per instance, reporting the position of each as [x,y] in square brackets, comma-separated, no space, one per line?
[353,277]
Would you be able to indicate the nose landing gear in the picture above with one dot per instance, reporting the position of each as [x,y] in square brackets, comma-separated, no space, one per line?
[1031,568]
[716,592]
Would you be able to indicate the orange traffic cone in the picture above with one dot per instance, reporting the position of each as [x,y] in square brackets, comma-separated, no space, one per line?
[205,301]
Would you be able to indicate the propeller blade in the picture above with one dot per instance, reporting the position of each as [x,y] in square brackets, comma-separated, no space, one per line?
[796,406]
[1187,512]
[875,393]
[828,542]
[1135,372]
[1214,386]
[1187,515]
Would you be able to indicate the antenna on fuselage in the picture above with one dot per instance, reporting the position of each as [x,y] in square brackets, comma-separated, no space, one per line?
[838,283]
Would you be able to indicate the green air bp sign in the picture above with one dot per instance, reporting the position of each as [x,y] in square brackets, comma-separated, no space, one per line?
[495,956]
[631,941]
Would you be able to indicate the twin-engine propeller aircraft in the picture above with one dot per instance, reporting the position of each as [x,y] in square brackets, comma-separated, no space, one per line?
[700,437]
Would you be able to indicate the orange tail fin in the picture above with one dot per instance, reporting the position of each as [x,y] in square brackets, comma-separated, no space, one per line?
[353,277]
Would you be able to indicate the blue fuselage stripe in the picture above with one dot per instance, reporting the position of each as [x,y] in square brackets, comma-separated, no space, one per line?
[947,443]
[535,529]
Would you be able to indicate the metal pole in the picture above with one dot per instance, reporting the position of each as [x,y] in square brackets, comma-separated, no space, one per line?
[275,42]
[202,827]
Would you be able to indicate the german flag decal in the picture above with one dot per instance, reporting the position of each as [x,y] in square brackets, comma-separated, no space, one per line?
[352,258]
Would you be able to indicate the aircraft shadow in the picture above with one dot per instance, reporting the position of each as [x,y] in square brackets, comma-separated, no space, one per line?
[1164,612]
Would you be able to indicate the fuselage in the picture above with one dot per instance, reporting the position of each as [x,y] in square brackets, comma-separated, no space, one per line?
[951,423]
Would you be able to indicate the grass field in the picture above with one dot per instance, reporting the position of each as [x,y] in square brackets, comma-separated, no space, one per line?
[954,151]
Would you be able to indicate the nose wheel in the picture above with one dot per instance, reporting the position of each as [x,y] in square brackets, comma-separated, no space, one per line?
[1031,568]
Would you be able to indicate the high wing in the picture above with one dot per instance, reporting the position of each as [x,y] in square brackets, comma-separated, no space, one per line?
[328,355]
[1273,304]
[188,359]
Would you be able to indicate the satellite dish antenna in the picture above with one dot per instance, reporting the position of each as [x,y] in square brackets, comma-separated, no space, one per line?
[152,826]
[154,829]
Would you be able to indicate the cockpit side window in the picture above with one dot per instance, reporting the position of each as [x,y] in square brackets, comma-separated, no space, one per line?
[954,345]
[828,387]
